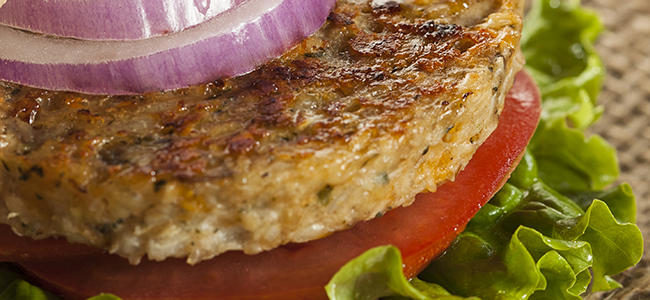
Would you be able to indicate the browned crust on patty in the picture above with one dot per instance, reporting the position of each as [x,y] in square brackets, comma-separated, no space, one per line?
[381,103]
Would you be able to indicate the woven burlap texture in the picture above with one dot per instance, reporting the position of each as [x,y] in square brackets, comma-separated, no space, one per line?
[625,49]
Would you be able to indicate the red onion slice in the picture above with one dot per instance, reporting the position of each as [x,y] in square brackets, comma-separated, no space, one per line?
[110,19]
[230,44]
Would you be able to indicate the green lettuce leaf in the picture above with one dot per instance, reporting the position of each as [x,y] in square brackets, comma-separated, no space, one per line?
[105,297]
[557,41]
[568,161]
[530,265]
[378,273]
[543,235]
[616,246]
[620,200]
[14,287]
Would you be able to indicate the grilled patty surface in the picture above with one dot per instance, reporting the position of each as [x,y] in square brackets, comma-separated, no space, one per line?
[386,100]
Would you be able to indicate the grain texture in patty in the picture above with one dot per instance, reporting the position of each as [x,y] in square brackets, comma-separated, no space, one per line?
[387,100]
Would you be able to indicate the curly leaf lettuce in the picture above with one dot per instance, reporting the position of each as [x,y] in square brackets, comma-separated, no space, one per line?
[570,162]
[547,231]
[14,287]
[378,273]
[527,243]
[557,41]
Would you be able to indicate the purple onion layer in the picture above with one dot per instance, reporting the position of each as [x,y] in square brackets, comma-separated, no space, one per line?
[110,19]
[162,63]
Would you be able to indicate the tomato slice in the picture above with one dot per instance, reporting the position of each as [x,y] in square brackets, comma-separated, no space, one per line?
[296,271]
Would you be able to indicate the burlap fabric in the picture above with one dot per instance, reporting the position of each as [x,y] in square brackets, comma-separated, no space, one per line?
[625,49]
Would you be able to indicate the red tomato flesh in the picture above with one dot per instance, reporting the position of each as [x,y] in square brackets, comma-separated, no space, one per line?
[296,271]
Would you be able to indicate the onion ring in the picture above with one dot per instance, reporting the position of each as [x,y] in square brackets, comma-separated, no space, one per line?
[229,44]
[110,19]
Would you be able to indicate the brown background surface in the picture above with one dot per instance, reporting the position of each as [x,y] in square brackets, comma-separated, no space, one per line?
[625,49]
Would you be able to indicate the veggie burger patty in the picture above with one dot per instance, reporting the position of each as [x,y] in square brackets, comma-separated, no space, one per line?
[385,101]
